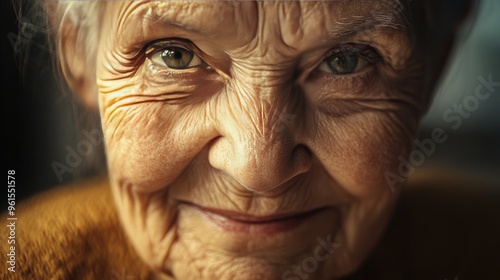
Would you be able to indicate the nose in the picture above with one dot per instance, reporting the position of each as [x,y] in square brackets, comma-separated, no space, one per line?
[259,128]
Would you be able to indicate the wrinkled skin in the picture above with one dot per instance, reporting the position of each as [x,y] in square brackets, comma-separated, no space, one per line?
[258,128]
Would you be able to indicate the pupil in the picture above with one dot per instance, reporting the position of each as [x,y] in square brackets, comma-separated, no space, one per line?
[176,58]
[174,54]
[344,64]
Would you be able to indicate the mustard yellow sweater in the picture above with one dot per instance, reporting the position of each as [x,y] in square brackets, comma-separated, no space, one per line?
[71,232]
[442,229]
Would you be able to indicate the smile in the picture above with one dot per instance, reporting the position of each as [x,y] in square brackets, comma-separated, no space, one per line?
[237,222]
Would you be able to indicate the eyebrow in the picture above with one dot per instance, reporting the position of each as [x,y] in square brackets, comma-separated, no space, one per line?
[166,19]
[382,21]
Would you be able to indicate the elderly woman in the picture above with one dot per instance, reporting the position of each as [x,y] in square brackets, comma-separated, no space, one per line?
[244,140]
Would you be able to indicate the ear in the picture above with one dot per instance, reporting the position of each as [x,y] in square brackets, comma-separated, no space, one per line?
[77,30]
[78,71]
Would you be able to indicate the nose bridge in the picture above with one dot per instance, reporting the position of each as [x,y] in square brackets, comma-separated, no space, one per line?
[267,105]
[258,139]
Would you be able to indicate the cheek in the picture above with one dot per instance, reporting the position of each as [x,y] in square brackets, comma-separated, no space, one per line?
[359,149]
[149,144]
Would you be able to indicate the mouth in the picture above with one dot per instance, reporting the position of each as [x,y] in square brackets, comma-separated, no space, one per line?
[237,222]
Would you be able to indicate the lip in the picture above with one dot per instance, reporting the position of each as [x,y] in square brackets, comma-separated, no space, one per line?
[237,222]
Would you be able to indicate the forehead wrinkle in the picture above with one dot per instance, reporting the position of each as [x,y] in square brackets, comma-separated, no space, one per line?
[201,17]
[295,21]
[342,19]
[287,28]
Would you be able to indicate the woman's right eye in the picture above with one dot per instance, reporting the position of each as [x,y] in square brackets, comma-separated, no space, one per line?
[175,57]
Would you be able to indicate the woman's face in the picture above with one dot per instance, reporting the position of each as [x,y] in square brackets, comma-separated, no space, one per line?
[249,140]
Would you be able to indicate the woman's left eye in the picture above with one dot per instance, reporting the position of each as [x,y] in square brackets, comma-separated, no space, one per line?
[345,61]
[175,57]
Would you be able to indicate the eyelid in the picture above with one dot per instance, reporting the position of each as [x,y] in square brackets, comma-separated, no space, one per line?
[364,50]
[159,44]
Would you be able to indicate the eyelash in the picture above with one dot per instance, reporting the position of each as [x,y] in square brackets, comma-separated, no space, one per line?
[364,51]
[157,45]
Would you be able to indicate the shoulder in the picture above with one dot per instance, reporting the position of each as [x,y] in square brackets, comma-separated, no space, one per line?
[73,231]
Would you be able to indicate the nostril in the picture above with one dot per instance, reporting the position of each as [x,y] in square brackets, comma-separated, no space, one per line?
[259,168]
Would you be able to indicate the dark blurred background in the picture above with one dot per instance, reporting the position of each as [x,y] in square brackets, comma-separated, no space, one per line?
[43,123]
[42,128]
[474,146]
